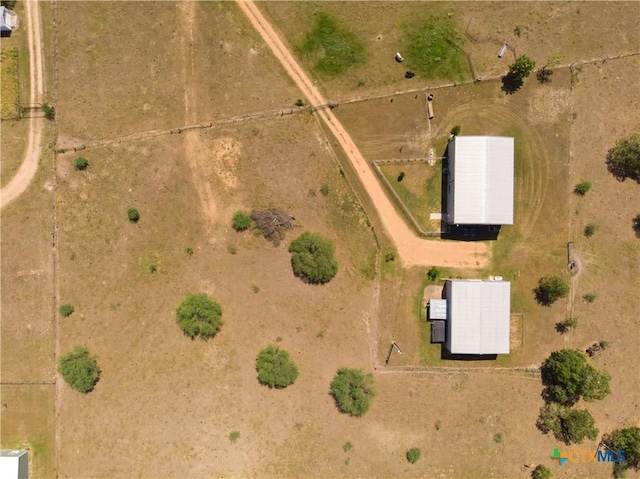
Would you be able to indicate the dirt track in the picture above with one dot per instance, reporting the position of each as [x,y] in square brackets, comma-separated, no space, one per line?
[412,249]
[29,165]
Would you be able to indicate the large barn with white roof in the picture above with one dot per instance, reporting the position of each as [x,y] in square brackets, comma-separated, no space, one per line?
[480,181]
[478,316]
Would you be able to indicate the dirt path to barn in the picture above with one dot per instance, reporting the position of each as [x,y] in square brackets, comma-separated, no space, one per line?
[412,250]
[29,165]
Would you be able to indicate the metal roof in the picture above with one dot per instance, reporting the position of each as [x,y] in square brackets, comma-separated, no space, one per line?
[437,332]
[438,309]
[482,173]
[479,316]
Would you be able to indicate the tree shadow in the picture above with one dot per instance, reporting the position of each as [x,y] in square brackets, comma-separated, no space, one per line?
[636,225]
[511,83]
[542,297]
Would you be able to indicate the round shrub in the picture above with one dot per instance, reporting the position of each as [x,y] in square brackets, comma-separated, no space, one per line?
[133,215]
[80,163]
[66,310]
[353,389]
[199,315]
[312,258]
[79,370]
[550,289]
[413,455]
[275,368]
[240,221]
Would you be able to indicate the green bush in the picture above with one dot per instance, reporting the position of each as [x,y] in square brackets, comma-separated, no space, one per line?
[550,289]
[498,438]
[49,111]
[240,221]
[434,273]
[80,163]
[401,176]
[66,310]
[234,436]
[455,131]
[275,368]
[353,390]
[590,230]
[541,472]
[79,370]
[312,258]
[189,251]
[582,188]
[199,315]
[324,189]
[566,325]
[413,455]
[590,297]
[133,215]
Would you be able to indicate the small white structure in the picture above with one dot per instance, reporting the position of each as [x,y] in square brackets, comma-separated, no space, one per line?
[8,20]
[437,309]
[14,464]
[480,182]
[399,58]
[502,50]
[478,316]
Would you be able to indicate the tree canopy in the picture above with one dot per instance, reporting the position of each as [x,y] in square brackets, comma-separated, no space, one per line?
[199,315]
[568,376]
[312,258]
[570,426]
[353,390]
[275,368]
[550,289]
[522,67]
[623,160]
[79,370]
[627,440]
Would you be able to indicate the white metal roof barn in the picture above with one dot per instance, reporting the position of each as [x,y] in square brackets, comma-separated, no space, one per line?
[479,314]
[480,183]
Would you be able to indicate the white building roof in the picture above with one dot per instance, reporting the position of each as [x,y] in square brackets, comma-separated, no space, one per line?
[479,317]
[10,461]
[438,309]
[483,177]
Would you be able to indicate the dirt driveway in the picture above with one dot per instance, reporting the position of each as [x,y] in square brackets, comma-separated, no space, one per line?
[29,165]
[413,250]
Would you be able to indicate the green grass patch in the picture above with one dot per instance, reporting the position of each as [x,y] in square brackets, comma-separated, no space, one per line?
[433,51]
[333,48]
[10,93]
[420,190]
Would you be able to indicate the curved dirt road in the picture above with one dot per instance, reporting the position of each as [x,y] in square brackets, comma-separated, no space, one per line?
[411,249]
[29,166]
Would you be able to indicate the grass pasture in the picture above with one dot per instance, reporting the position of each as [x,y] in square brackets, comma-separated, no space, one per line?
[10,94]
[335,48]
[420,190]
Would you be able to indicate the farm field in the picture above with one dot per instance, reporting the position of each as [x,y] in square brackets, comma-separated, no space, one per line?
[170,406]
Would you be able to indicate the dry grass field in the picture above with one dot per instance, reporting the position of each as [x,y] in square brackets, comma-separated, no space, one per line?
[166,406]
